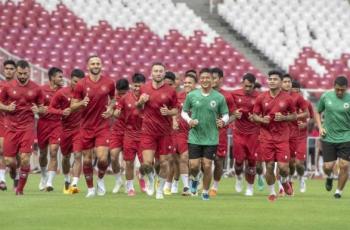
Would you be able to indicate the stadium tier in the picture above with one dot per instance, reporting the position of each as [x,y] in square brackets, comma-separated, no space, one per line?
[310,39]
[128,35]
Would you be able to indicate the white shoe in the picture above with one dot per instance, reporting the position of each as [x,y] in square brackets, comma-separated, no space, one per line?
[174,187]
[150,186]
[159,196]
[302,186]
[91,193]
[101,189]
[118,185]
[239,185]
[249,192]
[42,184]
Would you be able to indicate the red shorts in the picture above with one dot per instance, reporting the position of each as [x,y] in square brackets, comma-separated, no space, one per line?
[222,146]
[258,152]
[131,148]
[245,146]
[91,138]
[297,146]
[20,141]
[70,142]
[162,145]
[275,151]
[49,132]
[180,142]
[116,141]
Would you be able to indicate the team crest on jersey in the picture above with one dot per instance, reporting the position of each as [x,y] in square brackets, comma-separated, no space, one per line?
[266,104]
[129,105]
[103,88]
[239,99]
[14,92]
[282,104]
[346,105]
[30,93]
[213,104]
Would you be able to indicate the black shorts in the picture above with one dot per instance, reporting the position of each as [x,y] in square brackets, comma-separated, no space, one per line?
[200,151]
[333,151]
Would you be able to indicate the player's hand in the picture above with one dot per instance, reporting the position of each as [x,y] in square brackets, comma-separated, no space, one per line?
[251,117]
[238,113]
[279,117]
[175,124]
[265,120]
[164,110]
[66,112]
[193,123]
[144,98]
[35,108]
[108,113]
[302,125]
[117,113]
[85,101]
[220,123]
[323,132]
[11,107]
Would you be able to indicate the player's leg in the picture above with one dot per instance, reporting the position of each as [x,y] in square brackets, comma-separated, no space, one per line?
[218,170]
[283,158]
[24,172]
[3,186]
[183,169]
[176,175]
[52,167]
[239,149]
[169,177]
[207,161]
[65,172]
[147,169]
[129,153]
[271,179]
[329,160]
[342,178]
[43,167]
[88,171]
[102,165]
[115,154]
[300,162]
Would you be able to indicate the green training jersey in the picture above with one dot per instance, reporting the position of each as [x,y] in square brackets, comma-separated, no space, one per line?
[205,109]
[336,117]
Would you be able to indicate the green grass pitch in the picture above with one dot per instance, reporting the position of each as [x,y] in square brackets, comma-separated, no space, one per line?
[316,209]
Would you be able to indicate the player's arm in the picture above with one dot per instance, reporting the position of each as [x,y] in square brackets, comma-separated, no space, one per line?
[55,106]
[257,112]
[224,112]
[3,97]
[79,100]
[109,109]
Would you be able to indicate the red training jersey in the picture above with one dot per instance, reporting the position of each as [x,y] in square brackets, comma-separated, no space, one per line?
[48,93]
[300,105]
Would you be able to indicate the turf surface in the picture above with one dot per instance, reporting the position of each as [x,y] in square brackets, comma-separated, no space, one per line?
[316,209]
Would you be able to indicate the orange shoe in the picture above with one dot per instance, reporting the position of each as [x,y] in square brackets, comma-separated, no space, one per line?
[213,192]
[272,198]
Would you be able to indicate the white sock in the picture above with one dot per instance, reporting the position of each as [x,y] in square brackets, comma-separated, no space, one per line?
[302,179]
[2,175]
[118,176]
[175,183]
[338,191]
[272,189]
[17,174]
[184,178]
[251,186]
[130,185]
[168,185]
[43,172]
[161,185]
[215,185]
[279,184]
[75,180]
[205,191]
[51,175]
[66,178]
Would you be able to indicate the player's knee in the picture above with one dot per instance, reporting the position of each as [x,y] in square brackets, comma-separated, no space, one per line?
[77,156]
[25,160]
[146,169]
[270,166]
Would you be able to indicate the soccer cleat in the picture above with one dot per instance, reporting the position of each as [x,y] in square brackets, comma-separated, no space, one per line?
[302,186]
[281,192]
[91,193]
[142,185]
[131,192]
[194,185]
[249,192]
[118,185]
[159,196]
[337,195]
[150,185]
[49,188]
[329,184]
[167,191]
[66,187]
[287,188]
[205,196]
[174,187]
[74,189]
[213,192]
[101,189]
[3,186]
[260,183]
[186,191]
[272,197]
[19,193]
[238,185]
[42,184]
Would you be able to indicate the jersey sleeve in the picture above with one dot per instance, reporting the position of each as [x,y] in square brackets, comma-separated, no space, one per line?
[55,105]
[120,104]
[78,92]
[291,105]
[311,110]
[111,90]
[3,95]
[321,104]
[230,103]
[257,109]
[173,101]
[223,109]
[187,104]
[302,103]
[40,99]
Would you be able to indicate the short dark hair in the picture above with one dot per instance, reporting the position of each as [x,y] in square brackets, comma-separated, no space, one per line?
[22,64]
[249,77]
[218,71]
[276,72]
[169,75]
[257,85]
[77,73]
[341,81]
[92,56]
[190,75]
[138,78]
[191,71]
[205,70]
[296,84]
[157,63]
[10,62]
[287,76]
[122,84]
[53,71]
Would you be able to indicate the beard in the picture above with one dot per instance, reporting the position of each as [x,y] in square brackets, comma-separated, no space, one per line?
[95,71]
[23,80]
